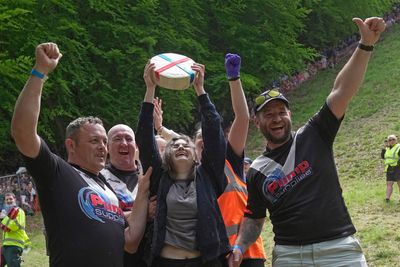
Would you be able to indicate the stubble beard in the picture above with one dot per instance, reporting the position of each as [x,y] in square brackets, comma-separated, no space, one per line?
[278,140]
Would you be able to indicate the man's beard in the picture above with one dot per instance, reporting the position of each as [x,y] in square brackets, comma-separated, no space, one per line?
[8,207]
[278,140]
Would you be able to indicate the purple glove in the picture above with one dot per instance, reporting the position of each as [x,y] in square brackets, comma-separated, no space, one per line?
[232,66]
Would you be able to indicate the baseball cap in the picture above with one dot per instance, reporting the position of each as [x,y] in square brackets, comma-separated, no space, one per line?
[247,160]
[268,96]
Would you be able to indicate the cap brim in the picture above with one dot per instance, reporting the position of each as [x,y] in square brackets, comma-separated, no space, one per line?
[260,107]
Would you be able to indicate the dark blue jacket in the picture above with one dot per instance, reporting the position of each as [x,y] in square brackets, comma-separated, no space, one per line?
[211,235]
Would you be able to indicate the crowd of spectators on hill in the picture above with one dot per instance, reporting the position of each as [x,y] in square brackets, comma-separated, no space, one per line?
[22,186]
[328,58]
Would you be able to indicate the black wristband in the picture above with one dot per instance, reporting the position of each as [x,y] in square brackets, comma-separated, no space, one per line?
[234,78]
[364,47]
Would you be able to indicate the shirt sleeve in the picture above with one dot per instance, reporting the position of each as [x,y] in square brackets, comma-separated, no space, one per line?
[43,167]
[148,150]
[256,208]
[213,154]
[167,134]
[326,124]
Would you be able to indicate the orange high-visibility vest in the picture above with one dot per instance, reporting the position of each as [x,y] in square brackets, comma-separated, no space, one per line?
[232,204]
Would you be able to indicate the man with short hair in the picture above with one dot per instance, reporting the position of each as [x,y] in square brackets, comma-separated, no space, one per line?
[296,177]
[14,235]
[83,220]
[246,165]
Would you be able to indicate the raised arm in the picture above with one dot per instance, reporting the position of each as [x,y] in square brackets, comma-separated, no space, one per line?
[27,108]
[240,125]
[149,155]
[150,84]
[138,218]
[213,154]
[166,133]
[351,76]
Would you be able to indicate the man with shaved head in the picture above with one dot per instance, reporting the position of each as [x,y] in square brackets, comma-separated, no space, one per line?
[122,172]
[122,175]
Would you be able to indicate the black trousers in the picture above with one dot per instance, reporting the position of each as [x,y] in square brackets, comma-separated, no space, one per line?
[252,263]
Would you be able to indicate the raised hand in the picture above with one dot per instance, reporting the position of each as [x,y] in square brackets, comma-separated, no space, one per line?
[47,57]
[144,183]
[198,82]
[232,66]
[370,29]
[157,113]
[148,75]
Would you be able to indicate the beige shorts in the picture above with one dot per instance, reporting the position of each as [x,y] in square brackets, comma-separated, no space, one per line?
[341,252]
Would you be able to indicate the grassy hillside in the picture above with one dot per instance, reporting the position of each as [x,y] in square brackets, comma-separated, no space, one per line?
[373,114]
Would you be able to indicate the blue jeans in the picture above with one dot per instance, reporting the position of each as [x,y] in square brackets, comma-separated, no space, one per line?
[12,255]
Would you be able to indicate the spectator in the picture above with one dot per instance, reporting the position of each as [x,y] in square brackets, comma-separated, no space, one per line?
[188,228]
[122,175]
[26,206]
[233,201]
[14,236]
[83,220]
[33,200]
[246,165]
[296,177]
[391,154]
[161,143]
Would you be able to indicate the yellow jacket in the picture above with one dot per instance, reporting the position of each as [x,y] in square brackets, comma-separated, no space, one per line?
[391,156]
[14,230]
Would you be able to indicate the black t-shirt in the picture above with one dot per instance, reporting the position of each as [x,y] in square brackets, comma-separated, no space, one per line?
[84,224]
[301,188]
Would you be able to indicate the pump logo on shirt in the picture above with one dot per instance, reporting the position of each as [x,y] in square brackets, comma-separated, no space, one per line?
[97,206]
[277,184]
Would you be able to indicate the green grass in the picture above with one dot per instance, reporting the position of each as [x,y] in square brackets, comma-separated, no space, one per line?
[372,115]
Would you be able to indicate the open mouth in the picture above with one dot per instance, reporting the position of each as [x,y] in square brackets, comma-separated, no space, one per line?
[277,129]
[181,153]
[124,153]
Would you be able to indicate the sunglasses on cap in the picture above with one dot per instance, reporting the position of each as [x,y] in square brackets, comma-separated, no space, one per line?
[268,96]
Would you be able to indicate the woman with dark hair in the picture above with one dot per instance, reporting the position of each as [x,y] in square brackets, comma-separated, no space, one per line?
[188,227]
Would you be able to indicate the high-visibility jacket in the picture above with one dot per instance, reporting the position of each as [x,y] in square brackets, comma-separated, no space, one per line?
[232,204]
[13,226]
[391,156]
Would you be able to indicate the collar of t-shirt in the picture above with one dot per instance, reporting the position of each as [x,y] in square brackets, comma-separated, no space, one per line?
[99,179]
[128,177]
[272,153]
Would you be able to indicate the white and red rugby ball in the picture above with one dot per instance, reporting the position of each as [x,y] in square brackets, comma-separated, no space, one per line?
[173,71]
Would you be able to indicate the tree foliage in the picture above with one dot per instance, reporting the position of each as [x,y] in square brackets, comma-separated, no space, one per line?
[105,45]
